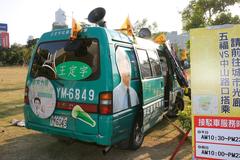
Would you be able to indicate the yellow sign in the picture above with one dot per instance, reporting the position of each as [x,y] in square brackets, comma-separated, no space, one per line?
[215,83]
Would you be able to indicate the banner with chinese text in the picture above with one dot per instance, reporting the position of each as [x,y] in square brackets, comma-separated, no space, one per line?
[215,84]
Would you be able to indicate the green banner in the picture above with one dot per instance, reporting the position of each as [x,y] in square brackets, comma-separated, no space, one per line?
[73,70]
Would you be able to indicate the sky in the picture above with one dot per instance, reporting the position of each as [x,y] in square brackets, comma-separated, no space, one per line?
[34,17]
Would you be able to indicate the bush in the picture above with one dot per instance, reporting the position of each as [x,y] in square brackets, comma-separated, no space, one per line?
[16,55]
[185,118]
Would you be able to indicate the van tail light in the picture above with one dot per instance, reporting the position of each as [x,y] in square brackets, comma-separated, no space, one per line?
[26,101]
[105,103]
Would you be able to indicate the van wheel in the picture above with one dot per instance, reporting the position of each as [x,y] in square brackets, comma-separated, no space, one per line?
[178,106]
[137,136]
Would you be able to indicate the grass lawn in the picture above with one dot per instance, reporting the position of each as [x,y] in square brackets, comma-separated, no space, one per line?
[12,84]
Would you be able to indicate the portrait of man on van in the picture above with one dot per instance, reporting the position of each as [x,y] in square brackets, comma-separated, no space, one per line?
[38,106]
[124,96]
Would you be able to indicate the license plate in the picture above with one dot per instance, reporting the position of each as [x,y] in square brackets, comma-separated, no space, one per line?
[58,121]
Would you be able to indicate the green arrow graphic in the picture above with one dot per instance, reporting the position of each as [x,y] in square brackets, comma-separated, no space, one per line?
[80,114]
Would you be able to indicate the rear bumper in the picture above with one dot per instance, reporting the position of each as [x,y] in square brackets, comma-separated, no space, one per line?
[98,139]
[71,133]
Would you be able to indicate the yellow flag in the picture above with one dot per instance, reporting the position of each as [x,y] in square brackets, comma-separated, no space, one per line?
[160,39]
[76,27]
[184,55]
[127,27]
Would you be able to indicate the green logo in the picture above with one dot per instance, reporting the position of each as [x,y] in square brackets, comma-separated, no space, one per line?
[73,70]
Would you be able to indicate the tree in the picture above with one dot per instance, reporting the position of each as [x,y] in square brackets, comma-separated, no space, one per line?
[201,13]
[14,55]
[225,18]
[27,51]
[3,54]
[26,54]
[17,54]
[31,43]
[153,27]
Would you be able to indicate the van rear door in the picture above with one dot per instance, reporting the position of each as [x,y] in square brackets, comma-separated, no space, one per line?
[175,65]
[73,69]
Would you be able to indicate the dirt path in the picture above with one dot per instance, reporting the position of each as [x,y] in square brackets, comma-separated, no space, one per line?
[18,143]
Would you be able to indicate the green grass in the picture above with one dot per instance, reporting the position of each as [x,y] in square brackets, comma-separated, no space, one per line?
[12,81]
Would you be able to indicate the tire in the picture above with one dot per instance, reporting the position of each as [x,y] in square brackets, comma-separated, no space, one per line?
[137,136]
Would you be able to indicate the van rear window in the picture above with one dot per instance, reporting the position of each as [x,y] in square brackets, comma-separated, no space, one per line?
[70,60]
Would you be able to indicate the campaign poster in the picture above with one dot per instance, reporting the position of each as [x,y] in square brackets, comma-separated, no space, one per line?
[215,83]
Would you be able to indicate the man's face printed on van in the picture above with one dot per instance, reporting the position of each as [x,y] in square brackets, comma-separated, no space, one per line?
[37,102]
[124,66]
[126,79]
